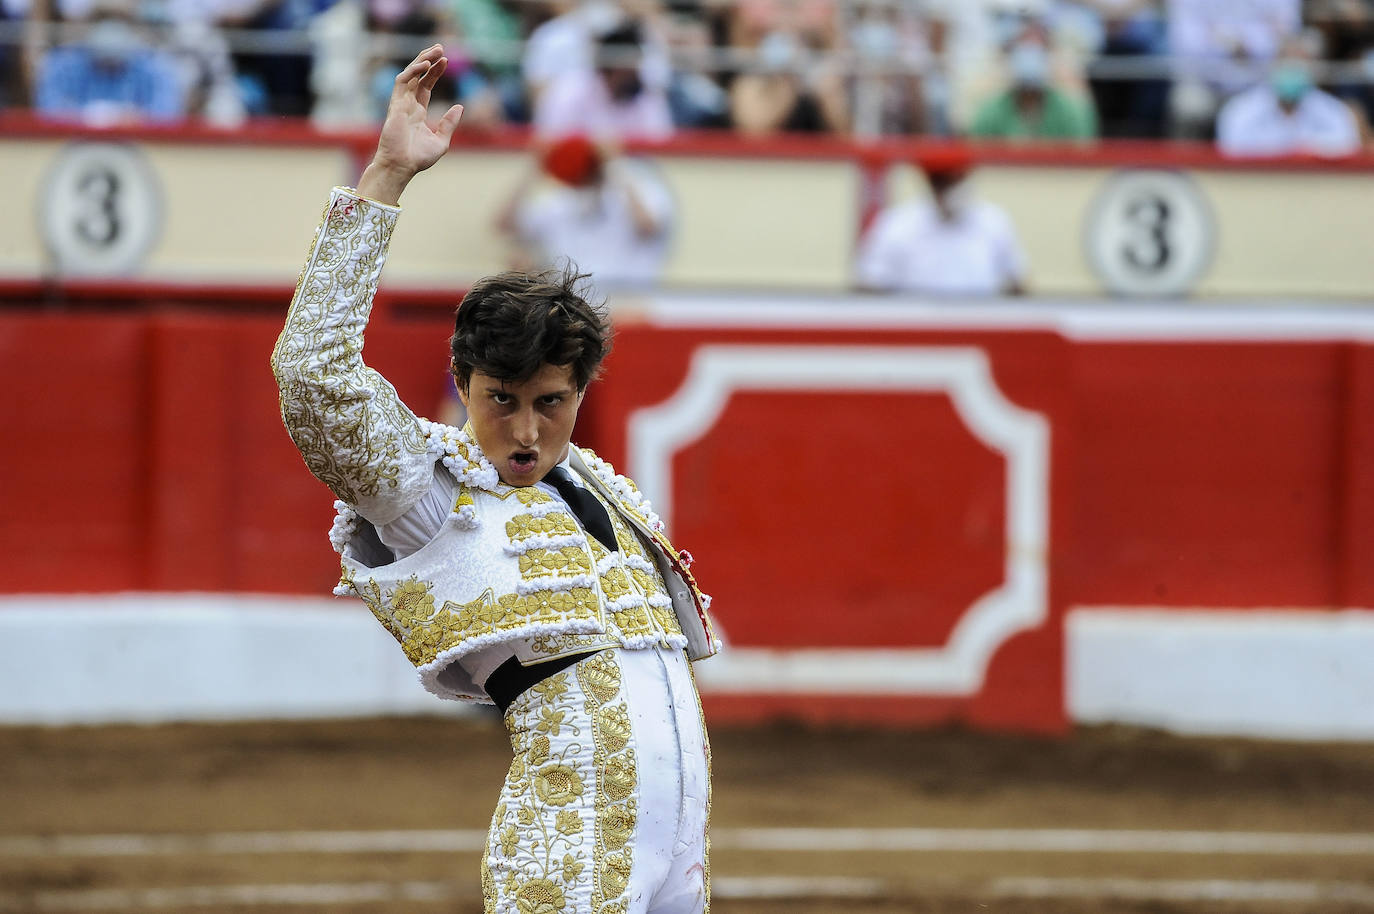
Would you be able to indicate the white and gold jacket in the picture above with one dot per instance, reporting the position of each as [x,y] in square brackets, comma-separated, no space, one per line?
[509,565]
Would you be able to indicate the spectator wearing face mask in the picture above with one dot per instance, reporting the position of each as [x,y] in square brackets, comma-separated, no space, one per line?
[1033,107]
[611,216]
[623,97]
[1287,114]
[788,90]
[952,244]
[112,75]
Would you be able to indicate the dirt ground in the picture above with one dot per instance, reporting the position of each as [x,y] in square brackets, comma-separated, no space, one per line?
[365,783]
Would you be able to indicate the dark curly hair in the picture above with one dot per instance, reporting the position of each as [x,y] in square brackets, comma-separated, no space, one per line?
[510,324]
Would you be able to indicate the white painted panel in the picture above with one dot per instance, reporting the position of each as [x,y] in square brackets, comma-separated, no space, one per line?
[1304,674]
[160,657]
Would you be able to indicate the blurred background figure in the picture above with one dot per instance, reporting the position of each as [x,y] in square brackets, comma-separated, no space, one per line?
[788,88]
[565,41]
[1034,105]
[695,94]
[1347,32]
[113,74]
[214,93]
[1287,114]
[610,215]
[1220,47]
[1126,30]
[621,95]
[890,91]
[273,69]
[951,243]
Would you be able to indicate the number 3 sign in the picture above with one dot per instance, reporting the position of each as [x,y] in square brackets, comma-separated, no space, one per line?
[100,209]
[1150,233]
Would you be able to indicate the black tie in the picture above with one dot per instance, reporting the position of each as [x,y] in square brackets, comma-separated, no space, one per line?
[585,505]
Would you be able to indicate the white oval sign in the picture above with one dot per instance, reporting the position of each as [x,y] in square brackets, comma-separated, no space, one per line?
[1150,233]
[100,210]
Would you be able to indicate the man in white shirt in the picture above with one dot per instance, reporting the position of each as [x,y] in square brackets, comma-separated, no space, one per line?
[624,97]
[1287,115]
[951,244]
[610,216]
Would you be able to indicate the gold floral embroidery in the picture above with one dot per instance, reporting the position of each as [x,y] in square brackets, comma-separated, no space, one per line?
[561,839]
[524,526]
[530,496]
[570,560]
[464,498]
[348,423]
[617,781]
[539,896]
[424,633]
[557,785]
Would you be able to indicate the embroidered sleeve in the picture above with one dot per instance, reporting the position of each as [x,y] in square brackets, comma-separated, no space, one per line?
[354,432]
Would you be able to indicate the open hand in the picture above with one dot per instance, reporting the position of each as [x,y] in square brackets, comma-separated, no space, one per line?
[408,144]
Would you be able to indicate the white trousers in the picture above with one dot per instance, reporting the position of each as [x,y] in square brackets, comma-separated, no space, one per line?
[604,810]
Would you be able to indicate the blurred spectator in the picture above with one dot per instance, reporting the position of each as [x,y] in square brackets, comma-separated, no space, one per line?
[404,27]
[1138,106]
[203,58]
[787,91]
[622,97]
[272,81]
[566,42]
[610,216]
[14,90]
[950,244]
[1347,29]
[492,36]
[1220,47]
[1032,107]
[113,75]
[695,95]
[893,40]
[1287,114]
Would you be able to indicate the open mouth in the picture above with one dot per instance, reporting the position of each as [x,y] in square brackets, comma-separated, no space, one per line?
[523,462]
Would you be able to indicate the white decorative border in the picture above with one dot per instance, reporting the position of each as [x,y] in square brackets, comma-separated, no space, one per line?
[963,373]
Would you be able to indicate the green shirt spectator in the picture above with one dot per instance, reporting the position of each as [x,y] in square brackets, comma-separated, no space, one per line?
[1032,108]
[1045,114]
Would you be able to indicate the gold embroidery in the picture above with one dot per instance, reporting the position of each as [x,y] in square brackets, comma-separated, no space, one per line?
[617,781]
[524,526]
[348,423]
[464,498]
[569,560]
[424,632]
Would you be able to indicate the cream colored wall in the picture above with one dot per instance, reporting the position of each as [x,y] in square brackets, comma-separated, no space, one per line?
[240,214]
[230,214]
[755,222]
[23,163]
[1292,235]
[245,214]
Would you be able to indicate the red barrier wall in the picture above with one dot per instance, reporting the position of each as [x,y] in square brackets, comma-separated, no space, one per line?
[146,453]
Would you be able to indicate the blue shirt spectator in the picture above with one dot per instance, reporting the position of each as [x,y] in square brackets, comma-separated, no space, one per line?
[114,76]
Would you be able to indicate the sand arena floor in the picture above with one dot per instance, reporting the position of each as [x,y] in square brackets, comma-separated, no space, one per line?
[389,815]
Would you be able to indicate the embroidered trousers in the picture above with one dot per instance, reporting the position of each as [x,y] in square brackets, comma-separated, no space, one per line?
[604,810]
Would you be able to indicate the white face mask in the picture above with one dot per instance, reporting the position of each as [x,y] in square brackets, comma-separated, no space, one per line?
[1029,64]
[873,40]
[778,52]
[957,200]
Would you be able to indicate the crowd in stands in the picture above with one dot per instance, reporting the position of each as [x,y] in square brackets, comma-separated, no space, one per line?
[1259,75]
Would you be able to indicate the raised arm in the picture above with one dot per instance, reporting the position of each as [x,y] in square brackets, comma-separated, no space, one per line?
[354,432]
